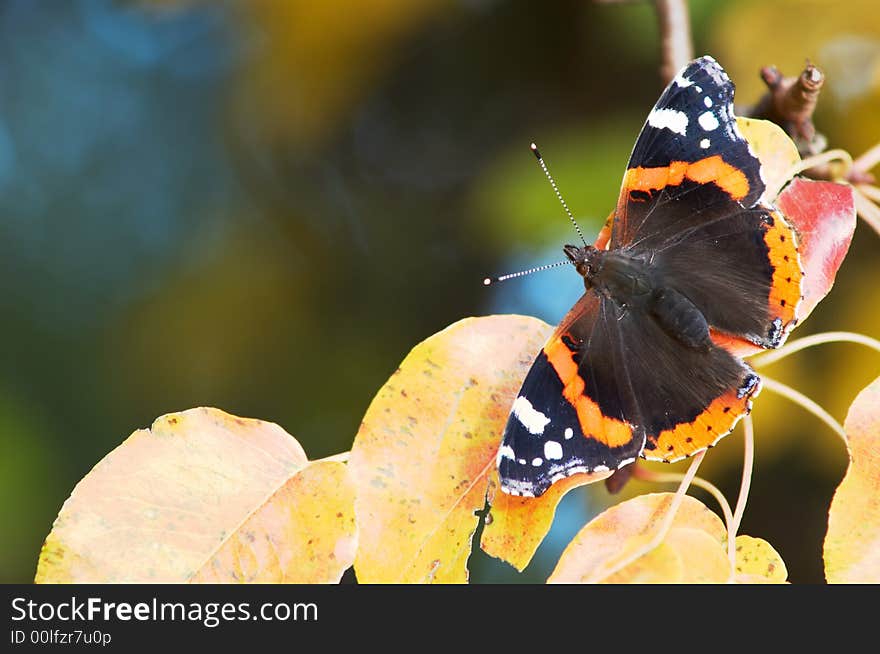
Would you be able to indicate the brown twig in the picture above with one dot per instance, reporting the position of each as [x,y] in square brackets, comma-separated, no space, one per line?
[790,103]
[675,37]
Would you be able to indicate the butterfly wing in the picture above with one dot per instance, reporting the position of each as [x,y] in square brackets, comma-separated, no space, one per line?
[691,200]
[612,382]
[608,379]
[570,415]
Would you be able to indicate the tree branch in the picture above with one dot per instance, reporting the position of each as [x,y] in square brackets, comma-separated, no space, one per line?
[790,103]
[675,37]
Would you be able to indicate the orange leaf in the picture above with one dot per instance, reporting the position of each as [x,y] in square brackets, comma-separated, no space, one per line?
[205,496]
[424,457]
[515,526]
[694,550]
[852,554]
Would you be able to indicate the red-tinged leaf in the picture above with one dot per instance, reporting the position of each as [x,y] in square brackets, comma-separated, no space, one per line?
[205,496]
[619,532]
[824,216]
[852,543]
[424,457]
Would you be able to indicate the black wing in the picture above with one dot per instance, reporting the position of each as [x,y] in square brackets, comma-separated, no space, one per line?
[609,385]
[690,201]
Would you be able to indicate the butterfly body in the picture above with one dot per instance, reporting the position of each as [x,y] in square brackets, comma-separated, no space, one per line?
[635,368]
[631,281]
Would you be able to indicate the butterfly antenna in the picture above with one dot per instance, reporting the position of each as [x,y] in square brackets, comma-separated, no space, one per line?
[490,280]
[556,190]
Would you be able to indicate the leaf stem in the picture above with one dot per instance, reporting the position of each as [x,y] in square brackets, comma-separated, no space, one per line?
[823,158]
[664,526]
[767,358]
[868,159]
[869,191]
[745,485]
[644,474]
[806,403]
[867,210]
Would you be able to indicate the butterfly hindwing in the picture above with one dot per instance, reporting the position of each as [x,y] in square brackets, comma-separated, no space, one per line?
[569,416]
[612,384]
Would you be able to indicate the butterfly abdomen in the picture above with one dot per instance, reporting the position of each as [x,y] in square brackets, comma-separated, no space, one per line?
[680,318]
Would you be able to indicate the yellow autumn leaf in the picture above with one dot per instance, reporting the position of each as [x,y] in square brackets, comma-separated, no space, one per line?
[758,563]
[776,151]
[515,526]
[852,543]
[423,460]
[205,496]
[686,556]
[694,549]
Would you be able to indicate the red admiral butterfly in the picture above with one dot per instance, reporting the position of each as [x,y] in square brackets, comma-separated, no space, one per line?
[640,366]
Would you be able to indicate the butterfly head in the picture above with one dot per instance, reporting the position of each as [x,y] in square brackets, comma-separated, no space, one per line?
[585,260]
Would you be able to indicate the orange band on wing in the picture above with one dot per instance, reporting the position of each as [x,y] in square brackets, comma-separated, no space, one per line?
[711,169]
[785,292]
[708,428]
[611,432]
[604,235]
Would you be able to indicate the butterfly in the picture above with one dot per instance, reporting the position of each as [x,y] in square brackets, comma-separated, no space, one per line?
[639,367]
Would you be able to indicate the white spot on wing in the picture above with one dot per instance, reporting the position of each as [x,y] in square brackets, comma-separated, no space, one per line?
[533,420]
[569,432]
[707,101]
[681,81]
[537,461]
[552,450]
[677,121]
[517,487]
[708,121]
[705,143]
[506,452]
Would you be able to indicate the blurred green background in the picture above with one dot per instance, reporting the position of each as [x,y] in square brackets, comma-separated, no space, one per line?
[262,206]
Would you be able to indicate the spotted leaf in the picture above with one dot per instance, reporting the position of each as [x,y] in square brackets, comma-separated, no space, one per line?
[424,458]
[758,563]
